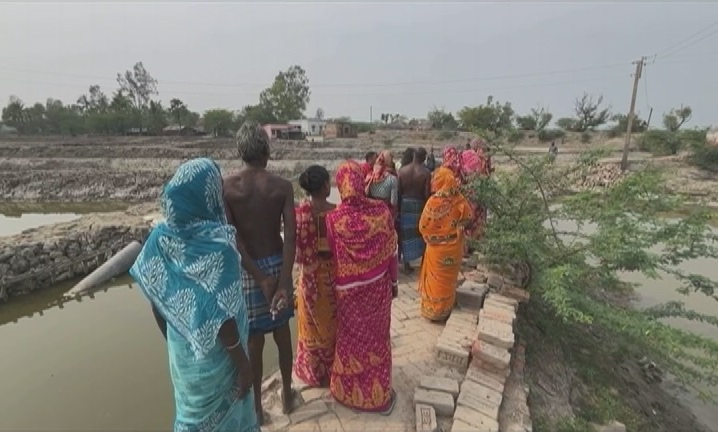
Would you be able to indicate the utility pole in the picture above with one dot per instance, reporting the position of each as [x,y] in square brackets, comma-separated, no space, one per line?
[636,77]
[371,112]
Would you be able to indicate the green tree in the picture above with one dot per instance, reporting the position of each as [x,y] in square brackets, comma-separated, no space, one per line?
[319,114]
[571,249]
[94,101]
[178,110]
[156,118]
[492,116]
[218,122]
[258,113]
[566,123]
[288,96]
[139,86]
[14,114]
[639,125]
[677,117]
[589,114]
[441,119]
[537,120]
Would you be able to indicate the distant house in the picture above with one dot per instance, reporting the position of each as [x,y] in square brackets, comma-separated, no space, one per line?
[176,130]
[7,130]
[340,130]
[310,127]
[283,131]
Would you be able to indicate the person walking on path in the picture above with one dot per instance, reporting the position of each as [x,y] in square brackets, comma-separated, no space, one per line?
[381,184]
[414,190]
[442,225]
[362,239]
[316,304]
[258,204]
[189,269]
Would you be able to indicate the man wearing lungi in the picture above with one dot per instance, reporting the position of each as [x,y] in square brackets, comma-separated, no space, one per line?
[414,190]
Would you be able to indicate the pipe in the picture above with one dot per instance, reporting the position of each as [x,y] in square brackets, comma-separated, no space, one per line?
[120,263]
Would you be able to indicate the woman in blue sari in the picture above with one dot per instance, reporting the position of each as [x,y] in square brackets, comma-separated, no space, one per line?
[189,269]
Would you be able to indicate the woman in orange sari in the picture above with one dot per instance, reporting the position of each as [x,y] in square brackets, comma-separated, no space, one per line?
[362,239]
[442,225]
[316,308]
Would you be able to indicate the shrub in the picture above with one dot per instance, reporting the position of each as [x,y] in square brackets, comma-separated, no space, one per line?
[516,136]
[705,158]
[546,135]
[585,137]
[660,142]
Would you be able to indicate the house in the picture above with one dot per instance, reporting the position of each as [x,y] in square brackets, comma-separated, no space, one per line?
[283,131]
[7,130]
[175,130]
[340,129]
[310,127]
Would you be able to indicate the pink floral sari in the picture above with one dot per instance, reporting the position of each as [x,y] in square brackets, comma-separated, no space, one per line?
[315,303]
[363,240]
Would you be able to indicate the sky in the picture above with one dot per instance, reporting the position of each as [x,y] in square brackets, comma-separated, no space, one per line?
[361,57]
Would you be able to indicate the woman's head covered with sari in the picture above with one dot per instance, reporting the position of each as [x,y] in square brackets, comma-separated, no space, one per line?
[189,265]
[445,209]
[362,230]
[451,159]
[381,168]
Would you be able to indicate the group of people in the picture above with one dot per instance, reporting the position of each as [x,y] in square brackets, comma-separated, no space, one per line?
[218,272]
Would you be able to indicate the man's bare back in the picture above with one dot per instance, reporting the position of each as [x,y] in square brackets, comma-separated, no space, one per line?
[414,182]
[256,199]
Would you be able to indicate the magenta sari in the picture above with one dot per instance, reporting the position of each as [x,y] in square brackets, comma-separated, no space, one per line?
[363,241]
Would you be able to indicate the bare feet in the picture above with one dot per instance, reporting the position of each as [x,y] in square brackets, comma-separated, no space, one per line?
[288,401]
[408,269]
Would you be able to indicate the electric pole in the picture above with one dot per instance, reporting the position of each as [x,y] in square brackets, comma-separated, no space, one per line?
[636,77]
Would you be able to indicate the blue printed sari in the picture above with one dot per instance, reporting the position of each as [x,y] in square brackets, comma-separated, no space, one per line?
[189,269]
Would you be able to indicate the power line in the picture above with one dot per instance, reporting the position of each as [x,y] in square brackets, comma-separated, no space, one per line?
[679,45]
[347,85]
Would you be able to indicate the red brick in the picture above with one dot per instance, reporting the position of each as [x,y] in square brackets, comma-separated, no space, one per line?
[496,314]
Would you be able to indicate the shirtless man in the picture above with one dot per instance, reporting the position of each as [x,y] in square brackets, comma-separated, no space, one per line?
[258,203]
[414,190]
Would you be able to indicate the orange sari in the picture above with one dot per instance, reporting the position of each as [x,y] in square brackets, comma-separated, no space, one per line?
[315,302]
[442,226]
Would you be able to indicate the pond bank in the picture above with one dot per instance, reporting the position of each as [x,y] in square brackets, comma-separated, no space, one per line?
[41,257]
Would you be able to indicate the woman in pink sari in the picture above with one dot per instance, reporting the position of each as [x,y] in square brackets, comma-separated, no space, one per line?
[315,304]
[363,240]
[475,162]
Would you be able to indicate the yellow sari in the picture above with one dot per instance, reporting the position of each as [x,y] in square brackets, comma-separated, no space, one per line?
[442,226]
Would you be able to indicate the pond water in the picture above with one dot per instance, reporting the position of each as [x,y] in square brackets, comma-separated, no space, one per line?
[11,225]
[656,291]
[98,364]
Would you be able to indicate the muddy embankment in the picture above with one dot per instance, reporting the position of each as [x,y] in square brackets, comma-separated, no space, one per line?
[43,256]
[132,170]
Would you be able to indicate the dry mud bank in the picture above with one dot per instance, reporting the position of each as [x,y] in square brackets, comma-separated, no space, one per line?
[41,257]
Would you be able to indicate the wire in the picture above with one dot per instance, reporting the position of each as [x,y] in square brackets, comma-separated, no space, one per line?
[680,45]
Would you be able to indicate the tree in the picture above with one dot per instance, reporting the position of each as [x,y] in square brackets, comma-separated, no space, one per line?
[566,123]
[258,113]
[320,114]
[218,121]
[156,118]
[288,96]
[139,86]
[178,110]
[639,125]
[493,117]
[677,117]
[573,270]
[14,114]
[96,101]
[536,121]
[588,113]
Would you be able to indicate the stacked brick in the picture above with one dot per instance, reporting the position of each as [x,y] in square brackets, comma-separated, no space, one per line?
[479,338]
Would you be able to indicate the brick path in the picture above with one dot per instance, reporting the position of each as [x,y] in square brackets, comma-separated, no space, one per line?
[416,347]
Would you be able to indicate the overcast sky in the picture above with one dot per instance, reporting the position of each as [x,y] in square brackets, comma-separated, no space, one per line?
[396,57]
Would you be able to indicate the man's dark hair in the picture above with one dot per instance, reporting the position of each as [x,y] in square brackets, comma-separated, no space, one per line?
[408,156]
[468,146]
[370,155]
[420,155]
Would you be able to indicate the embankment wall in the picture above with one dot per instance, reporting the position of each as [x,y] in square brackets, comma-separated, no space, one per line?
[41,257]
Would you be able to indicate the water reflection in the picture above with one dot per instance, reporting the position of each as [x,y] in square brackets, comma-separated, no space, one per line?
[98,364]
